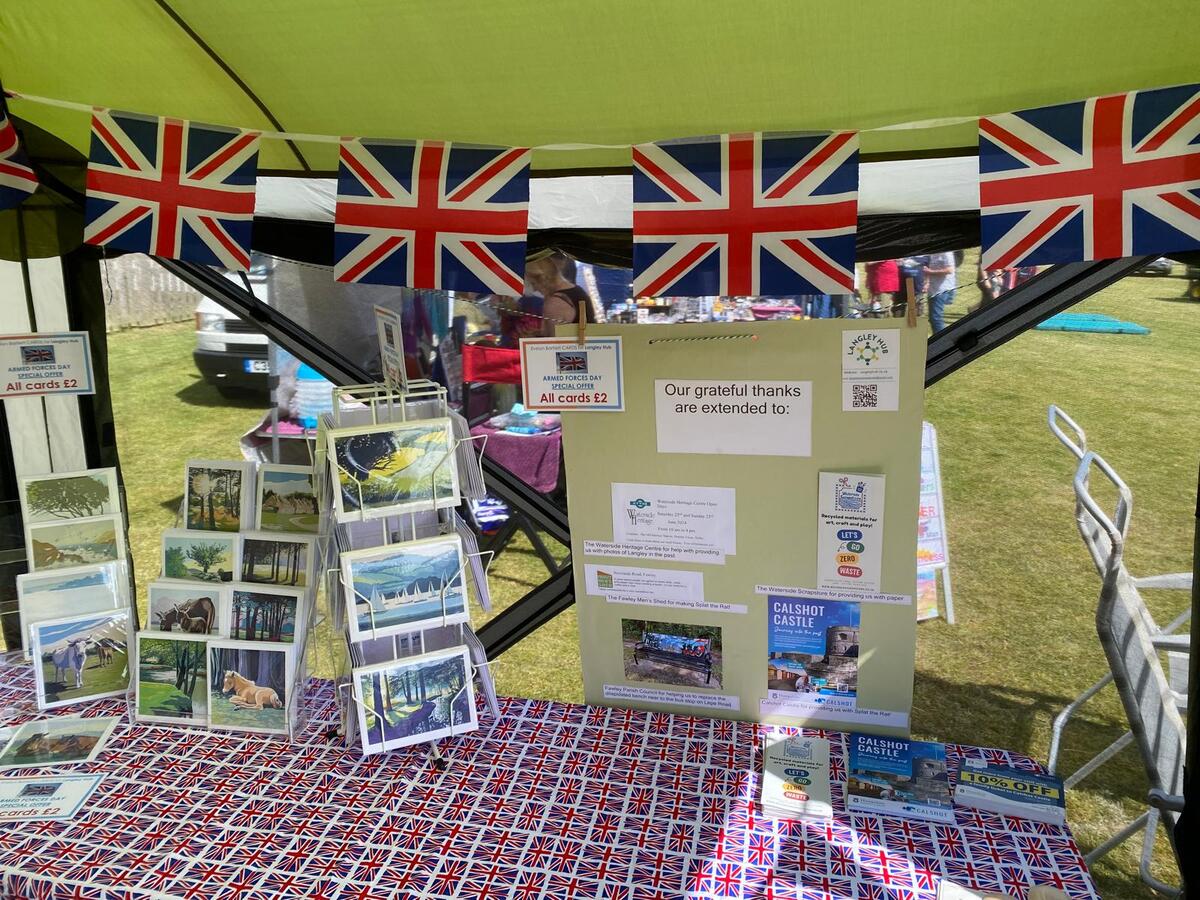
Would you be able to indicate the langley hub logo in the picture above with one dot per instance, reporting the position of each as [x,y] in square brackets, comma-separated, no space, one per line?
[868,348]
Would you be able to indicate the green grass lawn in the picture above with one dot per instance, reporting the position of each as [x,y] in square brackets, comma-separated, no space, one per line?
[1025,590]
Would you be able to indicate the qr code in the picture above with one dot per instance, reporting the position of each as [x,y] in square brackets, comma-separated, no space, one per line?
[864,396]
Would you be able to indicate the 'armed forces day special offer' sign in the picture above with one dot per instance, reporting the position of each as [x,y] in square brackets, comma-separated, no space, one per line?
[34,364]
[563,374]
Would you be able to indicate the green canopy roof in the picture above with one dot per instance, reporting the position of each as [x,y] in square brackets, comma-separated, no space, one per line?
[531,72]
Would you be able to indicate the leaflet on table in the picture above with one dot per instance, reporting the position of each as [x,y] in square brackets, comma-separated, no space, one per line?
[677,519]
[871,370]
[57,797]
[795,778]
[677,588]
[1010,792]
[744,418]
[849,531]
[896,777]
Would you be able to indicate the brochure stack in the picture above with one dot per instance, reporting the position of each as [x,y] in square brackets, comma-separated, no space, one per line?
[401,566]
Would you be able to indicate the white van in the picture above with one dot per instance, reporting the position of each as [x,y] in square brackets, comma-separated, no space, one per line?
[231,353]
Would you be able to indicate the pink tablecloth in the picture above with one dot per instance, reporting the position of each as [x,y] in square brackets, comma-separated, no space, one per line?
[534,458]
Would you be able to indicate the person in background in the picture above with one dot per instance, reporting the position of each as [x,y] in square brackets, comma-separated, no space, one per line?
[941,272]
[910,267]
[883,282]
[560,295]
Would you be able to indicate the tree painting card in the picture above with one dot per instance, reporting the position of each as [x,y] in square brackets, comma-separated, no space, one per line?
[199,555]
[172,678]
[69,495]
[287,499]
[392,468]
[405,587]
[415,699]
[81,658]
[187,606]
[61,593]
[248,686]
[60,741]
[76,542]
[285,560]
[266,613]
[216,494]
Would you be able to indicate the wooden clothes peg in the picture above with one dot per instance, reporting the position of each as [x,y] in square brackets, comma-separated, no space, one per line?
[581,322]
[910,300]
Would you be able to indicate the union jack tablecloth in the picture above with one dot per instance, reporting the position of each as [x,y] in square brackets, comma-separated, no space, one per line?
[553,800]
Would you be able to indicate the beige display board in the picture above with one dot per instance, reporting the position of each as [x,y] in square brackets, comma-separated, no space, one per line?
[697,522]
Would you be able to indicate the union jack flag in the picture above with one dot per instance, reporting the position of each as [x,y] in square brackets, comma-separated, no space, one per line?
[1098,179]
[428,214]
[745,214]
[17,180]
[171,188]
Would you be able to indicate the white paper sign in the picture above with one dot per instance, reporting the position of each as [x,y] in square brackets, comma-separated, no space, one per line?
[871,370]
[849,531]
[45,797]
[676,698]
[834,709]
[660,552]
[675,516]
[747,418]
[391,348]
[559,374]
[35,364]
[630,584]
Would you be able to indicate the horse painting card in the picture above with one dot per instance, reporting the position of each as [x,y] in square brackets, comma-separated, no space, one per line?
[415,699]
[287,499]
[57,742]
[61,593]
[405,587]
[396,467]
[258,612]
[217,494]
[187,606]
[249,686]
[81,658]
[75,542]
[199,555]
[172,678]
[69,495]
[282,559]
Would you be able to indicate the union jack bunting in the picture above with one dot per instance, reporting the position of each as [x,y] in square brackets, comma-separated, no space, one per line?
[745,214]
[17,180]
[428,214]
[171,188]
[1098,179]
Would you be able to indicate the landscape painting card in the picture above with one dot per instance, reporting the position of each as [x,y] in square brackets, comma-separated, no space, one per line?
[60,741]
[415,699]
[266,613]
[81,658]
[282,559]
[187,606]
[69,495]
[172,678]
[249,686]
[392,468]
[199,555]
[75,542]
[68,592]
[672,653]
[217,494]
[287,499]
[812,653]
[405,587]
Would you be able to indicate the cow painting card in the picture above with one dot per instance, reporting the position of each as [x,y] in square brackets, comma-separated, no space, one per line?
[186,606]
[415,699]
[217,494]
[248,686]
[287,499]
[199,555]
[280,559]
[276,615]
[392,468]
[81,658]
[172,678]
[59,741]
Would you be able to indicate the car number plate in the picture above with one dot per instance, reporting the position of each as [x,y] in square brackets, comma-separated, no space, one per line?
[255,365]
